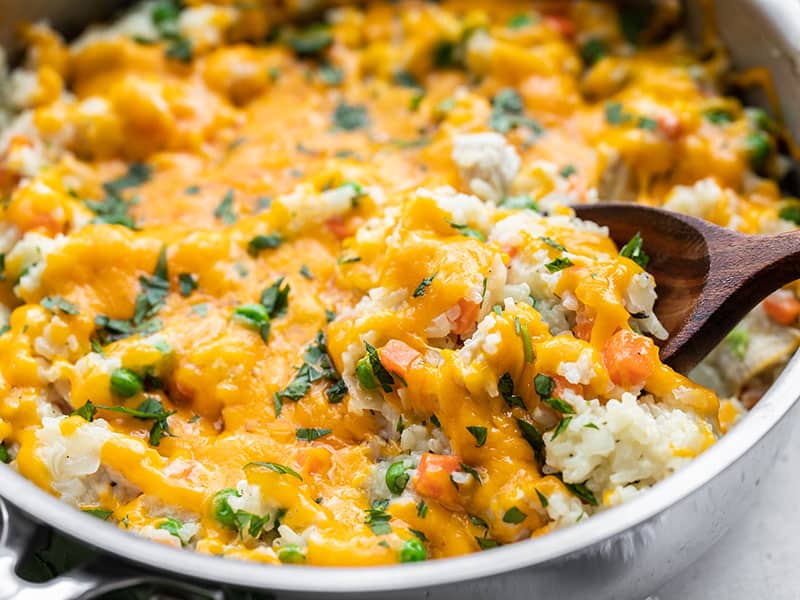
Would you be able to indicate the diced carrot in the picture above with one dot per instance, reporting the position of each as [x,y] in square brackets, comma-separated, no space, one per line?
[397,357]
[467,318]
[630,358]
[562,384]
[561,25]
[584,322]
[782,307]
[338,227]
[670,125]
[433,477]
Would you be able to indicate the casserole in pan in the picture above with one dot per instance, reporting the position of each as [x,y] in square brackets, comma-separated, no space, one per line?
[422,369]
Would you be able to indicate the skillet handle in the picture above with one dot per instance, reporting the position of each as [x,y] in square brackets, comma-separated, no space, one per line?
[91,580]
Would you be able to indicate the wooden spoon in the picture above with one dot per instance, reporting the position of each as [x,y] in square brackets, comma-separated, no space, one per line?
[707,277]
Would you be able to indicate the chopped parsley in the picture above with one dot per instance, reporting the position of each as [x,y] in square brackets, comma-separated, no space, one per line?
[505,385]
[424,285]
[718,116]
[306,272]
[479,433]
[225,209]
[568,171]
[544,385]
[101,513]
[514,516]
[519,21]
[558,405]
[187,283]
[377,518]
[478,522]
[53,303]
[5,457]
[542,499]
[582,492]
[633,250]
[276,467]
[113,209]
[350,117]
[647,123]
[561,427]
[330,75]
[165,16]
[138,174]
[275,299]
[406,79]
[201,310]
[348,260]
[487,543]
[309,41]
[559,264]
[309,434]
[467,231]
[422,509]
[593,50]
[791,213]
[263,242]
[317,365]
[616,115]
[150,408]
[521,202]
[552,243]
[508,112]
[151,298]
[471,471]
[533,437]
[180,49]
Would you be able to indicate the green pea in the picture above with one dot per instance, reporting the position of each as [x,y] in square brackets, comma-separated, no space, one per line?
[397,477]
[291,553]
[125,382]
[413,551]
[222,510]
[253,315]
[365,375]
[758,149]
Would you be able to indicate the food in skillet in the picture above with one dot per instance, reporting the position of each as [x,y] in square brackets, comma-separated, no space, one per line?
[312,294]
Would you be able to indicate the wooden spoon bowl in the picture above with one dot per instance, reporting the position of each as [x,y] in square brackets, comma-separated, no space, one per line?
[707,277]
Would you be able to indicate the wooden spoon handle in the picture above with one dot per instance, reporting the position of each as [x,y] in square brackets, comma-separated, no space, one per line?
[743,271]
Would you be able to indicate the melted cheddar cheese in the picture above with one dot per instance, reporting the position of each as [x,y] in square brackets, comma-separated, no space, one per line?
[311,293]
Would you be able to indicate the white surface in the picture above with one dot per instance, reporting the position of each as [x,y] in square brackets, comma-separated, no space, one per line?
[760,558]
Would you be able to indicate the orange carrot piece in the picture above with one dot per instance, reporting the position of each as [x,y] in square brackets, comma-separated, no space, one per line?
[782,307]
[397,357]
[629,358]
[433,477]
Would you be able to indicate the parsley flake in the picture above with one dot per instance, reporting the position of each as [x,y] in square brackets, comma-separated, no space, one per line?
[225,209]
[276,467]
[479,433]
[53,303]
[633,250]
[424,285]
[309,434]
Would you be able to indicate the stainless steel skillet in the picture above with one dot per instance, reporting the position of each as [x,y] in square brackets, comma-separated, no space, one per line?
[626,552]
